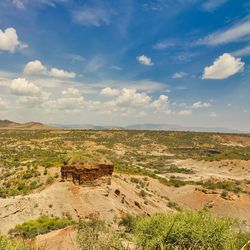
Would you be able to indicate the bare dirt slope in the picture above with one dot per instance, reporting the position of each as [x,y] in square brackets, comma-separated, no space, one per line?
[61,198]
[112,202]
[62,239]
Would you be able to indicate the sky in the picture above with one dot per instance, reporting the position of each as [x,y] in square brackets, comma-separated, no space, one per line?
[123,62]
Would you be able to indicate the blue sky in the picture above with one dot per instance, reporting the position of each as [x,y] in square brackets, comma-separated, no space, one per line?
[126,61]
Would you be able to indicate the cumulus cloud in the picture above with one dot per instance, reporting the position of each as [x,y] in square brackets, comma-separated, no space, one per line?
[60,73]
[70,100]
[34,67]
[132,98]
[198,105]
[161,104]
[71,92]
[145,60]
[9,40]
[130,101]
[179,75]
[239,31]
[223,67]
[109,92]
[22,87]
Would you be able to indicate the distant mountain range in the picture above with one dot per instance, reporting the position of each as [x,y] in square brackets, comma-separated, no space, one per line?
[6,124]
[151,126]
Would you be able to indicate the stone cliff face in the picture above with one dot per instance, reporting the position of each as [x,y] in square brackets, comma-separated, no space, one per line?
[84,174]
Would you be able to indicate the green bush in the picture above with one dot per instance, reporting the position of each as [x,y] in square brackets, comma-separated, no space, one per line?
[50,180]
[185,230]
[175,169]
[8,244]
[41,225]
[94,234]
[129,222]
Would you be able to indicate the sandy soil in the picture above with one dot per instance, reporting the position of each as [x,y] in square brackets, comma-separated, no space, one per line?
[62,239]
[203,170]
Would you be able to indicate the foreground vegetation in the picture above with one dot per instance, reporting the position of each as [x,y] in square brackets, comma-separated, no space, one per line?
[183,230]
[41,225]
[8,244]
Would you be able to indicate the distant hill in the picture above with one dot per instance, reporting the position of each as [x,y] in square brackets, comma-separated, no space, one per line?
[175,127]
[6,124]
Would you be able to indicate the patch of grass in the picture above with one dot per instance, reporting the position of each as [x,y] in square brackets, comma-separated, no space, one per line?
[95,234]
[129,222]
[185,230]
[10,244]
[175,169]
[41,225]
[225,185]
[174,205]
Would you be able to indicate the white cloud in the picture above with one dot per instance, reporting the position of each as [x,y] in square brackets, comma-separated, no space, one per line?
[179,75]
[34,67]
[70,100]
[223,67]
[60,73]
[161,104]
[235,33]
[185,112]
[198,105]
[22,4]
[213,115]
[95,64]
[3,104]
[242,52]
[129,101]
[9,40]
[130,97]
[32,101]
[144,60]
[110,92]
[22,87]
[96,16]
[212,5]
[163,45]
[71,92]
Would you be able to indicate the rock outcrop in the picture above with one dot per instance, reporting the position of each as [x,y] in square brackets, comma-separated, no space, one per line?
[87,173]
